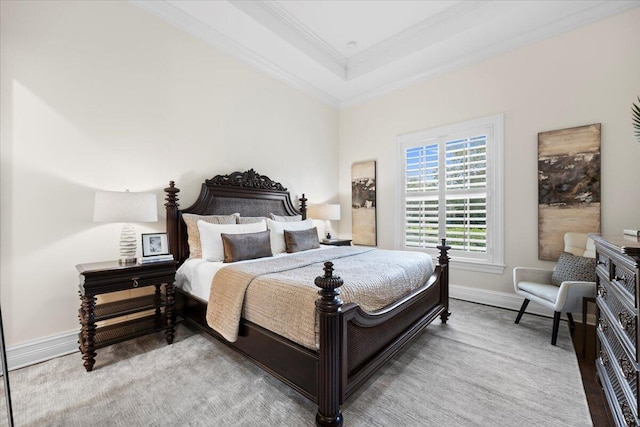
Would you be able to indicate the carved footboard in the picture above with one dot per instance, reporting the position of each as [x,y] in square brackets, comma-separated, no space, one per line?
[354,344]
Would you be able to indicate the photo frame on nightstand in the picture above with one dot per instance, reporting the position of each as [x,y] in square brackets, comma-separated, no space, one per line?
[154,244]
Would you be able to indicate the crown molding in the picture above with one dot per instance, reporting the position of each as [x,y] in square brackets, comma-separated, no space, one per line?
[175,16]
[266,36]
[420,36]
[275,17]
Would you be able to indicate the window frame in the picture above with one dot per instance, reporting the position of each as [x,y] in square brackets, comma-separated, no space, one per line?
[492,261]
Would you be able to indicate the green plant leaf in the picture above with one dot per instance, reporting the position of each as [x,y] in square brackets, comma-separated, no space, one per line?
[635,112]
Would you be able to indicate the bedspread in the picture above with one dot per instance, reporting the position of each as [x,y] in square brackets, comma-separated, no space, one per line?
[279,294]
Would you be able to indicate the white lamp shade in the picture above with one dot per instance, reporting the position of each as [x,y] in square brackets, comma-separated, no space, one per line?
[328,212]
[125,206]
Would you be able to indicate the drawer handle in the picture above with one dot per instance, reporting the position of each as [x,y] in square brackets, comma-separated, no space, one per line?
[629,419]
[135,281]
[604,358]
[626,367]
[625,320]
[602,325]
[602,291]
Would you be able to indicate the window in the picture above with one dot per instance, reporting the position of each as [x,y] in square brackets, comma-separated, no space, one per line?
[451,186]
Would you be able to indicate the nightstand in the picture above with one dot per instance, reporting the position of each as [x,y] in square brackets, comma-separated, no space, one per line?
[106,277]
[336,242]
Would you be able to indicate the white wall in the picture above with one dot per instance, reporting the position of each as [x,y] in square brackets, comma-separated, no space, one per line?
[101,95]
[591,75]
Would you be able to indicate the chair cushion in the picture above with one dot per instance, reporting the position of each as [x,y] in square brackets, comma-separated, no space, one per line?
[574,268]
[541,290]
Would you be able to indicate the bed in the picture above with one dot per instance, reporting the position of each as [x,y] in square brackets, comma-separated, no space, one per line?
[351,342]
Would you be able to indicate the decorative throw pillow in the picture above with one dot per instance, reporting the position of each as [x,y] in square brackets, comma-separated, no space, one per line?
[285,218]
[301,240]
[574,268]
[193,234]
[238,247]
[277,232]
[251,219]
[210,236]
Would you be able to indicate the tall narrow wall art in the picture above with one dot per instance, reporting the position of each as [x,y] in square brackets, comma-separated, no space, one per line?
[363,203]
[568,186]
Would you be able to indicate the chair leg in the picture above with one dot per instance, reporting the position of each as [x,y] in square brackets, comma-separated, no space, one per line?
[556,325]
[572,325]
[525,303]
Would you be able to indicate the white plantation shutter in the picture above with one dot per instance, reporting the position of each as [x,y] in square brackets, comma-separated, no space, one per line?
[447,180]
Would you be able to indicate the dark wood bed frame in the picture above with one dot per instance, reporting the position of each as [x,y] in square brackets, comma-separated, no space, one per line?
[353,344]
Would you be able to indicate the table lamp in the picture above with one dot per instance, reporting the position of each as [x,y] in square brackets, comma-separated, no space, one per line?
[327,212]
[126,207]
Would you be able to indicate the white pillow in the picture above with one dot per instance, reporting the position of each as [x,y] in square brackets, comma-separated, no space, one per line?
[212,249]
[277,232]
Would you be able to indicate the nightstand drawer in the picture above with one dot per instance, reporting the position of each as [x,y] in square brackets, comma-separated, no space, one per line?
[104,281]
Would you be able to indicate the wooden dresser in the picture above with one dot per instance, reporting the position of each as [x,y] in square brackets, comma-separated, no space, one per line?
[618,279]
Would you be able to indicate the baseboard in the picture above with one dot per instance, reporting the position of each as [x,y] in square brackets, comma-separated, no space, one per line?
[505,300]
[40,350]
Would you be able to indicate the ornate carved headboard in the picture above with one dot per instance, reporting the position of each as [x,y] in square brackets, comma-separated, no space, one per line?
[247,193]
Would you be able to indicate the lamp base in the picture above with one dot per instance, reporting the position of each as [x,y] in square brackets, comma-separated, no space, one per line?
[128,245]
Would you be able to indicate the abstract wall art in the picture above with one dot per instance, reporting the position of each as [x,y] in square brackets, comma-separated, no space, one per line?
[568,186]
[363,203]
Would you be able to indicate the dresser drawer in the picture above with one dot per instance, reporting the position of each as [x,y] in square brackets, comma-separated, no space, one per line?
[618,268]
[621,409]
[614,314]
[617,356]
[625,278]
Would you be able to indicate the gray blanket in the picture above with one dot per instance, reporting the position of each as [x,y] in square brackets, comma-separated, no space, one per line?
[279,294]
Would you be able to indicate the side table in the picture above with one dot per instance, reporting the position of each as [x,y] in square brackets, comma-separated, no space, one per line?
[106,277]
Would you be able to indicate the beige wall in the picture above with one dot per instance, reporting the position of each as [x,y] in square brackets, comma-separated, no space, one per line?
[590,75]
[101,95]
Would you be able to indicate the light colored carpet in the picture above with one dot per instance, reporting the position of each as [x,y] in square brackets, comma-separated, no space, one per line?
[478,370]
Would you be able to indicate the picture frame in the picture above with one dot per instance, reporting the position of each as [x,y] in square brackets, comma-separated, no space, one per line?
[363,203]
[154,244]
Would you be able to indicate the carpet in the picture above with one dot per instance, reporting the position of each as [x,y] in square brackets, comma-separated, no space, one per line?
[480,369]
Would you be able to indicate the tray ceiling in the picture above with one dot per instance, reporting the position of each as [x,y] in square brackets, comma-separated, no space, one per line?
[345,51]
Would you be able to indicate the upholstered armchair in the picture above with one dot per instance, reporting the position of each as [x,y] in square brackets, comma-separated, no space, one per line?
[563,288]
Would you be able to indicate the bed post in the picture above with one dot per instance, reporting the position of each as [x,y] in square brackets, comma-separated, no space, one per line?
[328,306]
[443,260]
[303,206]
[172,220]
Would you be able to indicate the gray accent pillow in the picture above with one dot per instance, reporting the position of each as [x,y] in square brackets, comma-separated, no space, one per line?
[285,218]
[251,219]
[238,247]
[301,240]
[574,268]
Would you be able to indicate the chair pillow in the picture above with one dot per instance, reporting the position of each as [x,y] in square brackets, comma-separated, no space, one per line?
[238,247]
[574,268]
[301,240]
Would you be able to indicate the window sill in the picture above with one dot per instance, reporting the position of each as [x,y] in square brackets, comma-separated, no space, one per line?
[472,265]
